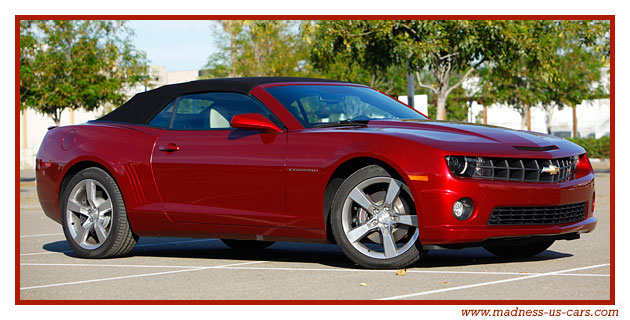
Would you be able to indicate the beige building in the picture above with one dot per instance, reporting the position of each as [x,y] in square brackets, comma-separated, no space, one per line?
[33,125]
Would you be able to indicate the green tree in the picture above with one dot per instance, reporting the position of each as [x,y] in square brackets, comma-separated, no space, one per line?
[520,84]
[582,53]
[76,64]
[568,72]
[258,48]
[386,80]
[442,53]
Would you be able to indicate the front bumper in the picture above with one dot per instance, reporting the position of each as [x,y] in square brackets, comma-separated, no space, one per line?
[434,202]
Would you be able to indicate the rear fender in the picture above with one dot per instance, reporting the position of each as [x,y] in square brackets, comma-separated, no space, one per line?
[124,152]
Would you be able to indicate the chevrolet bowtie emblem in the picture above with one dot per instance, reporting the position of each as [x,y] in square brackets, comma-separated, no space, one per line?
[552,170]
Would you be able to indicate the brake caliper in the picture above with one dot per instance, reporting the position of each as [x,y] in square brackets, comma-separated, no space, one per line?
[362,216]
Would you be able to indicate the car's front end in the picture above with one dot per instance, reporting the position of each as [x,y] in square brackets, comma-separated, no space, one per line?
[509,185]
[474,209]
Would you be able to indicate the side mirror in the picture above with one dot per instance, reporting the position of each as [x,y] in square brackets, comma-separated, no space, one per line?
[253,121]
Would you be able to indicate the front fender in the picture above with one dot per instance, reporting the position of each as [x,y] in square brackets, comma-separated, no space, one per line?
[313,155]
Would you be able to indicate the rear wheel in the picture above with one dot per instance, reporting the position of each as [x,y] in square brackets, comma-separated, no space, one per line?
[247,245]
[508,250]
[94,218]
[373,220]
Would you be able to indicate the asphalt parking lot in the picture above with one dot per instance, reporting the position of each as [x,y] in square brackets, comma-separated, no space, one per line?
[184,268]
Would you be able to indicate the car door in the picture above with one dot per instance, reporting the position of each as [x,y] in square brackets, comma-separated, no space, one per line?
[208,172]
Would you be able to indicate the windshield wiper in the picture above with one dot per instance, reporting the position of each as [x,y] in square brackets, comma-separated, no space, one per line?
[341,123]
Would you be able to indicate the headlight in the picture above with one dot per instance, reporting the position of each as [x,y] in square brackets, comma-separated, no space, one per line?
[519,169]
[462,166]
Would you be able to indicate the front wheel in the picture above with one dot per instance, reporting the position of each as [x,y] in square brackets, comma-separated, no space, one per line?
[374,221]
[508,250]
[94,218]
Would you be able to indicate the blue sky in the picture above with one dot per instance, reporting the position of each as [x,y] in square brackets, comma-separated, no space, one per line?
[176,44]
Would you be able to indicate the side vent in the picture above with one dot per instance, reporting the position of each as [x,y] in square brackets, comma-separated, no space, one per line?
[132,175]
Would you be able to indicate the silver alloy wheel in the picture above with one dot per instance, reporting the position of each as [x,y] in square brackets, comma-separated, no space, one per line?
[386,217]
[89,214]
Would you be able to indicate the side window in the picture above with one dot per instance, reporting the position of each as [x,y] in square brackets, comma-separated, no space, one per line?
[204,111]
[163,119]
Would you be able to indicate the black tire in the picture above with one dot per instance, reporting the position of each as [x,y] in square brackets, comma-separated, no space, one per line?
[410,256]
[120,239]
[247,245]
[519,251]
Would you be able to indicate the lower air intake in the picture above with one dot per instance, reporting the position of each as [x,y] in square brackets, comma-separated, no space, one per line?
[538,215]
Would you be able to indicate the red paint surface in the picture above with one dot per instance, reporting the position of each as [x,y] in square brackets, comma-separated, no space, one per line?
[253,121]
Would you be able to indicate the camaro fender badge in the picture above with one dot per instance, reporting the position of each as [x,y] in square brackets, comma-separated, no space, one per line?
[552,170]
[303,170]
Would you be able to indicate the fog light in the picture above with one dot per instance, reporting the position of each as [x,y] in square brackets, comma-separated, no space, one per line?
[463,208]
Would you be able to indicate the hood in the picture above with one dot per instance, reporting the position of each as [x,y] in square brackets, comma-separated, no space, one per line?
[460,137]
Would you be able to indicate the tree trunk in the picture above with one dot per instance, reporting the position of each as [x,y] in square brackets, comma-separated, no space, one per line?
[485,114]
[529,118]
[23,124]
[523,112]
[575,122]
[549,115]
[526,120]
[56,117]
[441,106]
[443,77]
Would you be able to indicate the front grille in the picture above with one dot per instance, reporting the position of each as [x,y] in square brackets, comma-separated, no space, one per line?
[527,170]
[538,215]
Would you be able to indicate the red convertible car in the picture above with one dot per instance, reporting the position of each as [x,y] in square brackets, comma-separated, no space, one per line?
[258,160]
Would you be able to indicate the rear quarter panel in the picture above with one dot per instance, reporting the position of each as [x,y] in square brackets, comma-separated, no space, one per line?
[123,150]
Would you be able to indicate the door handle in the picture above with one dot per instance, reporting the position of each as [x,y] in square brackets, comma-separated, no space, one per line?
[171,147]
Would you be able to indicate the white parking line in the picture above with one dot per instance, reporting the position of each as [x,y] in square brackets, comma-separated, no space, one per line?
[48,252]
[104,265]
[42,235]
[310,269]
[138,275]
[418,271]
[410,295]
[30,207]
[139,245]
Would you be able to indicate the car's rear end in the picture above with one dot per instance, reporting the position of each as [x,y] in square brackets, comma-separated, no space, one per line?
[49,167]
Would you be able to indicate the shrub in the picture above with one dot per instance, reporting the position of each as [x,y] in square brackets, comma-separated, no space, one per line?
[595,148]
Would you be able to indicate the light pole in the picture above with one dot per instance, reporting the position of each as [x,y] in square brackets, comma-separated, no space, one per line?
[410,89]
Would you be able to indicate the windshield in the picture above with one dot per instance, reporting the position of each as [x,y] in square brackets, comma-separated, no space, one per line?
[314,105]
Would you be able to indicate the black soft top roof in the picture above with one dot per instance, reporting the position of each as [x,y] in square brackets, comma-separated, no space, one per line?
[142,107]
